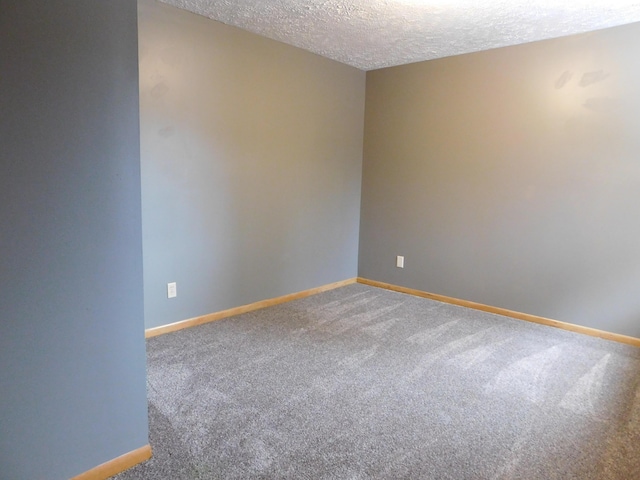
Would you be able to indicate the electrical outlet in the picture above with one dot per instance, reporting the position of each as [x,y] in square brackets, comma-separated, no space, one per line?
[172,290]
[400,261]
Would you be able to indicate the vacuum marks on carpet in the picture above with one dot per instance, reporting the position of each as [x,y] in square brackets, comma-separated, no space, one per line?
[363,383]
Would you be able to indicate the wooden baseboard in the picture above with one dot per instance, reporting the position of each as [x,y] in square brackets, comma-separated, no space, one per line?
[212,317]
[507,313]
[117,465]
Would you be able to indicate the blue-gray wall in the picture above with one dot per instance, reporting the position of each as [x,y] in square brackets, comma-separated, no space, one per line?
[72,354]
[251,165]
[511,177]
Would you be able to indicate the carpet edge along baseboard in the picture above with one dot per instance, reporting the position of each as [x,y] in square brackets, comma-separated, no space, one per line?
[616,337]
[117,465]
[211,317]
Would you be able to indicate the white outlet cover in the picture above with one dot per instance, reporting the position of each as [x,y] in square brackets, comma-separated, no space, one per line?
[172,290]
[400,261]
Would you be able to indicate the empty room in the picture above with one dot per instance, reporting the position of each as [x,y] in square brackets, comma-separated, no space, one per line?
[319,239]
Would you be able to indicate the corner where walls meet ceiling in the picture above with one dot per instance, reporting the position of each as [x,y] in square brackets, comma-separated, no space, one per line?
[372,34]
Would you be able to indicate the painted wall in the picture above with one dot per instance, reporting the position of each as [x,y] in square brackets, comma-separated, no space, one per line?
[251,165]
[511,178]
[72,353]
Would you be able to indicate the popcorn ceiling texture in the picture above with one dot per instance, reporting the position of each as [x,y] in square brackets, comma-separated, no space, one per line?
[371,34]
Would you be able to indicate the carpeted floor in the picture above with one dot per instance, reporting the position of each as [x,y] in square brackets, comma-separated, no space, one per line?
[361,383]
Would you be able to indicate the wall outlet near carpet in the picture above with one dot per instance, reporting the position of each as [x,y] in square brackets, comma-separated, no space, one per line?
[400,261]
[172,290]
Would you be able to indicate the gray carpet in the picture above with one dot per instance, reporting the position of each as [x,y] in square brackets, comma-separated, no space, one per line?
[361,383]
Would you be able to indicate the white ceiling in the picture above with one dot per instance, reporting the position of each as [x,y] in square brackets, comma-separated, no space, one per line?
[370,34]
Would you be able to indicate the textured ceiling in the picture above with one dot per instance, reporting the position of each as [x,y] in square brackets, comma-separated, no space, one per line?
[370,34]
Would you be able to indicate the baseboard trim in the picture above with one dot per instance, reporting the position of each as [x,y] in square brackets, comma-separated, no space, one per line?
[212,317]
[507,313]
[117,465]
